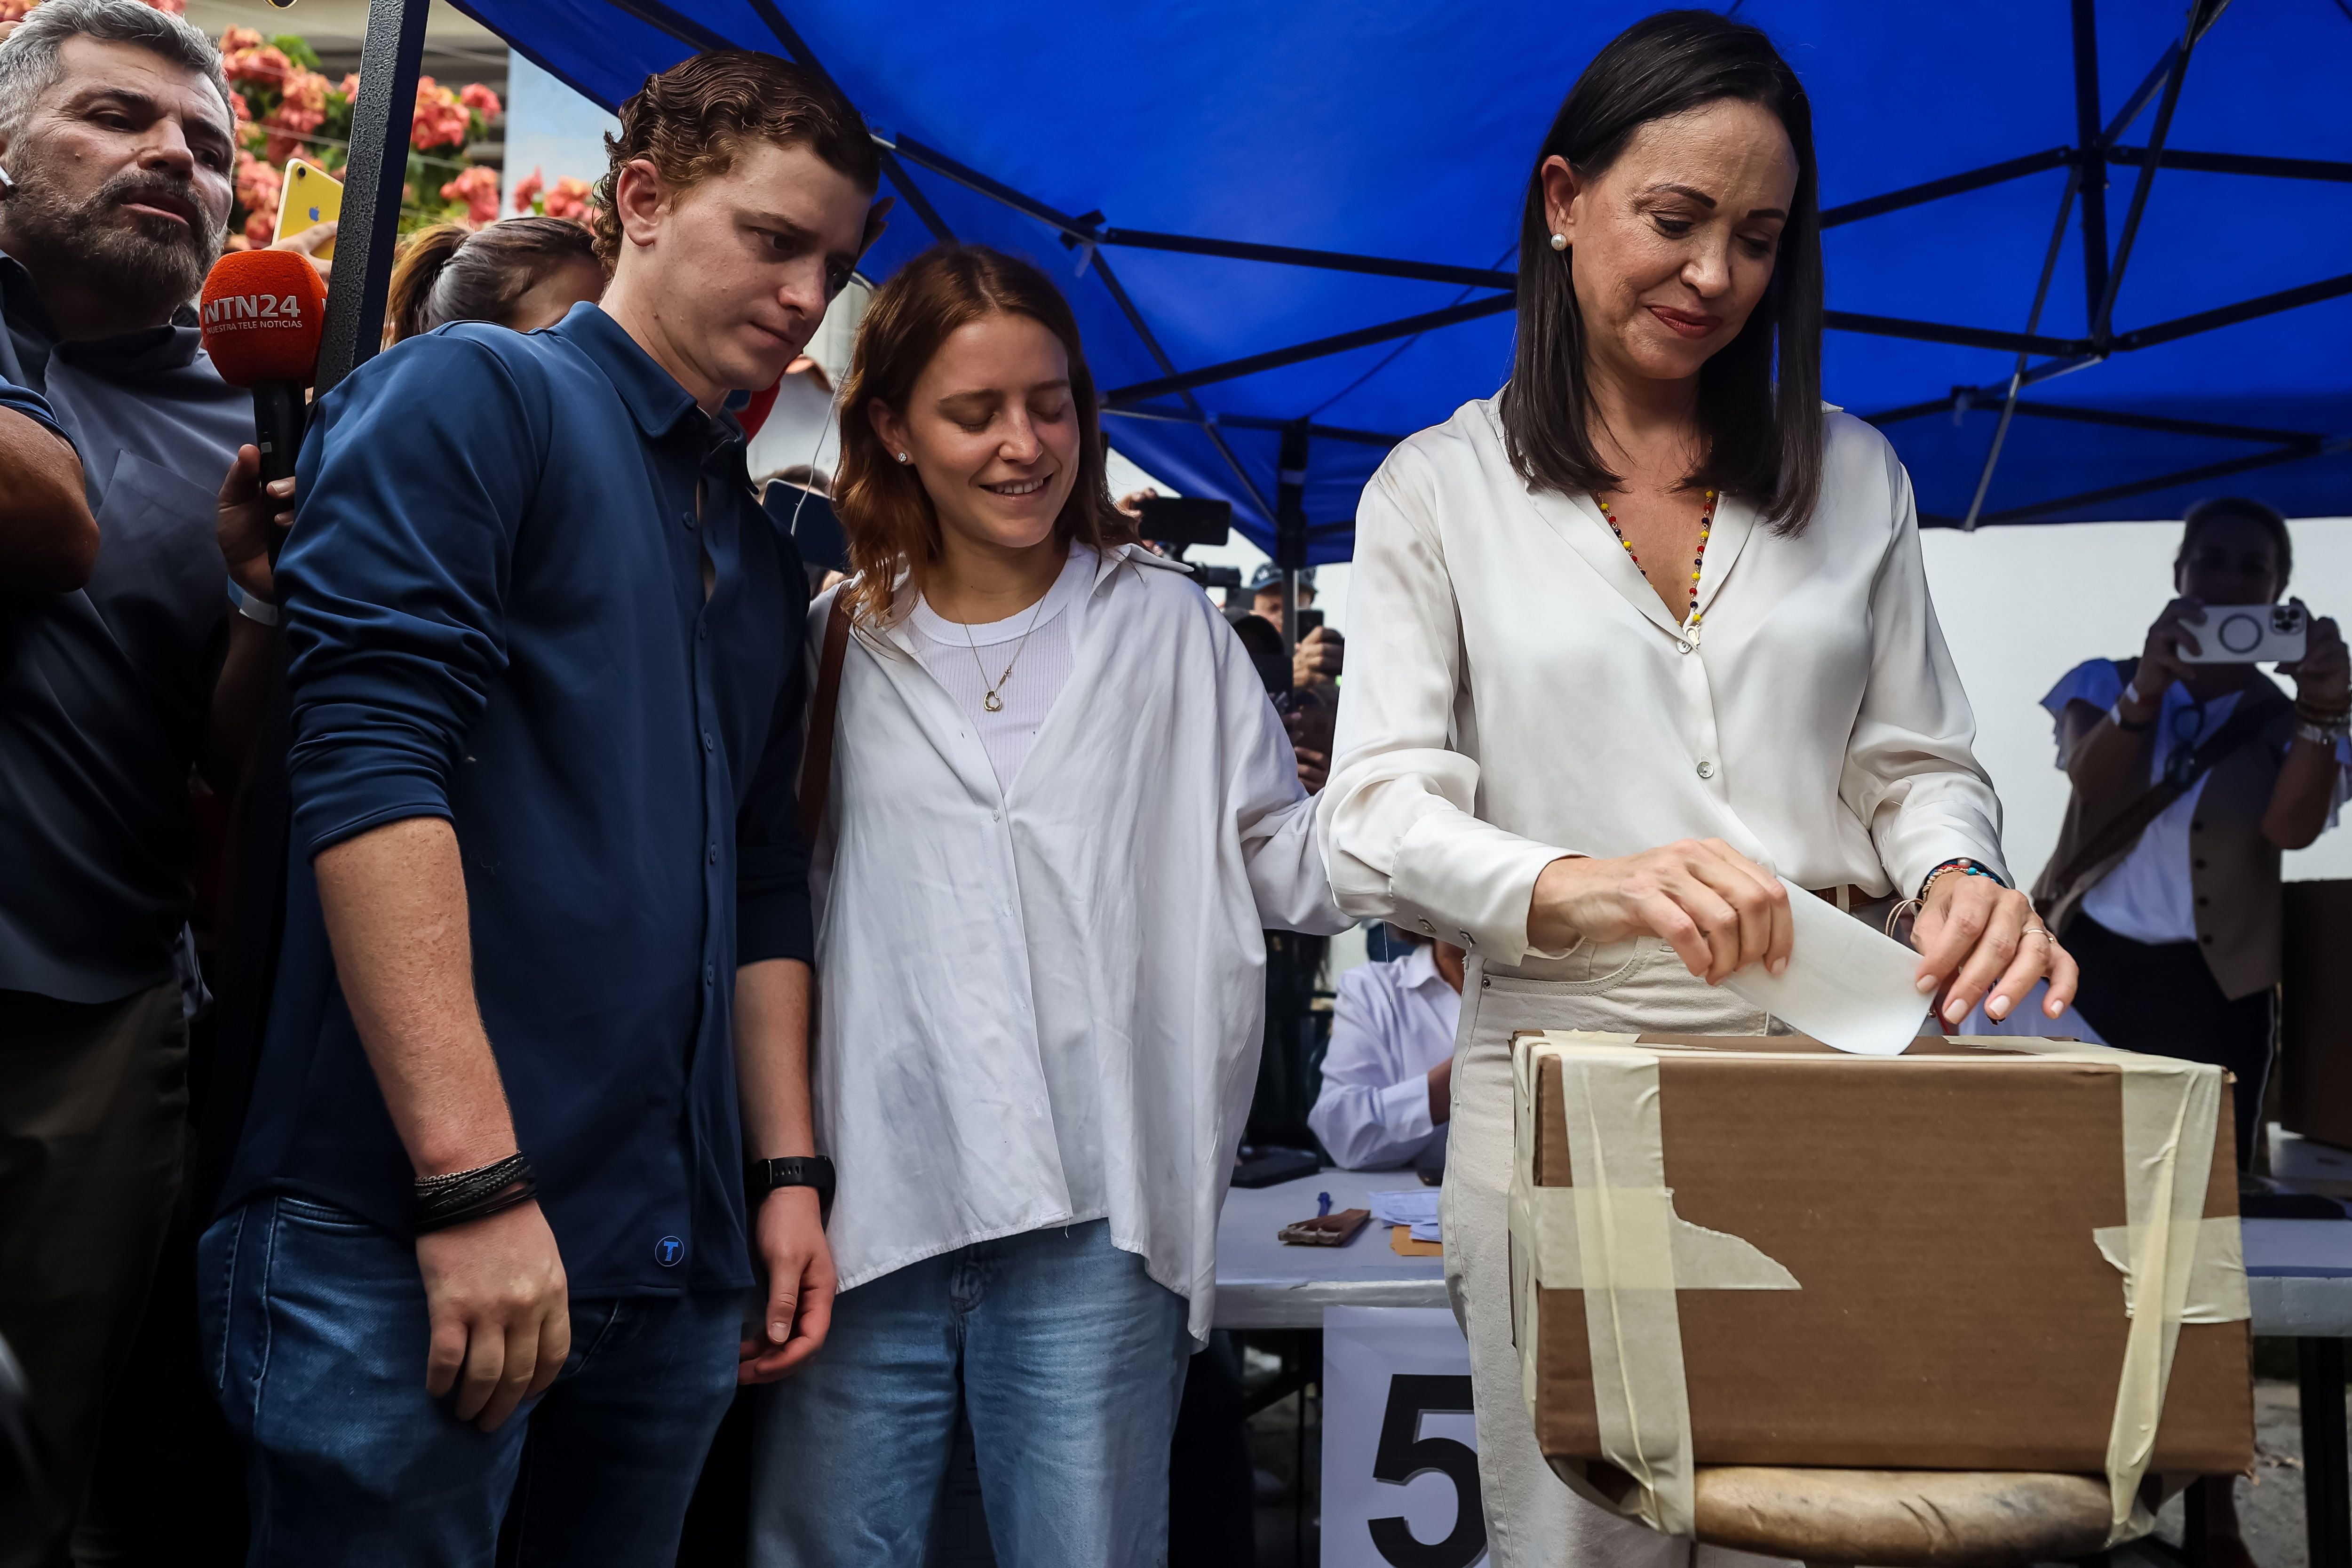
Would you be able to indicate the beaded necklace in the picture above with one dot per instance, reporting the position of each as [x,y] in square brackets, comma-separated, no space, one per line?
[1706,526]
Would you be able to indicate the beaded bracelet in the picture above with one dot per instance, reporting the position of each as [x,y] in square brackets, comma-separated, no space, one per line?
[1963,865]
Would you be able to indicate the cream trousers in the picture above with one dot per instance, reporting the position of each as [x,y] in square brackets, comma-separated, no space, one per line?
[1533,1519]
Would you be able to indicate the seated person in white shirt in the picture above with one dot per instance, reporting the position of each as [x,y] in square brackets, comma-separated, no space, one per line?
[1388,1074]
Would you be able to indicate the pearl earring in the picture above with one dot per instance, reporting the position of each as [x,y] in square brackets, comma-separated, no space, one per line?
[1560,242]
[902,456]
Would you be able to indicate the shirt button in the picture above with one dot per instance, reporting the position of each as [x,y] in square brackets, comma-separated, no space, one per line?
[705,739]
[686,518]
[1427,927]
[1682,648]
[703,632]
[714,854]
[709,975]
[1705,769]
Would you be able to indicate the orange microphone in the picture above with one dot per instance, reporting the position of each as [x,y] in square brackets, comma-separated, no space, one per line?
[263,314]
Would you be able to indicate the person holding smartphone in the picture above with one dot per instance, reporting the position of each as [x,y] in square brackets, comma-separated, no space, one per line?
[2189,777]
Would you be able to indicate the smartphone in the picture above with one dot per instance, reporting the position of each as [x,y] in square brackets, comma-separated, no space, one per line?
[2248,634]
[1309,621]
[307,197]
[1186,519]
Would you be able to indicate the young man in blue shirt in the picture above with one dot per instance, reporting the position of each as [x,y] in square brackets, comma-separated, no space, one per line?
[545,983]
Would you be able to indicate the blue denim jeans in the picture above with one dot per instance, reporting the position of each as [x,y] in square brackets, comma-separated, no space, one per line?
[314,1334]
[1070,1361]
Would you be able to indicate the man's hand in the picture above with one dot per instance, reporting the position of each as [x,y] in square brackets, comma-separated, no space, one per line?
[494,1293]
[1976,937]
[1720,911]
[789,1241]
[249,522]
[309,242]
[2323,676]
[1317,657]
[1131,503]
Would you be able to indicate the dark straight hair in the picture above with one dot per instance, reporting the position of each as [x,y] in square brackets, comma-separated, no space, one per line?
[1762,430]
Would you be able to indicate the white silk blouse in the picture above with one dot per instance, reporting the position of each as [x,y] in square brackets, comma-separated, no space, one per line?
[1516,691]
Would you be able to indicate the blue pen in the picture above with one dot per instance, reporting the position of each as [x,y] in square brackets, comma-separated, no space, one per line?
[1322,1204]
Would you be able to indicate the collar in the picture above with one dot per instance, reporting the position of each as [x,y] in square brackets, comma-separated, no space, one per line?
[1418,969]
[144,351]
[653,398]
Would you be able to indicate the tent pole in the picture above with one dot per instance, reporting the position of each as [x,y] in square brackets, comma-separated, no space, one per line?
[390,57]
[2104,317]
[2017,376]
[1290,531]
[2092,153]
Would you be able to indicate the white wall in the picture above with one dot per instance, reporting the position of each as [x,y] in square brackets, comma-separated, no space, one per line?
[2021,606]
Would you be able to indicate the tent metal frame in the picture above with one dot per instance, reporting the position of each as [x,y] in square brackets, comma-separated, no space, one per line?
[394,44]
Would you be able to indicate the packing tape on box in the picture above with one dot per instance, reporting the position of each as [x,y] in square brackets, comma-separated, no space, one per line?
[2191,1269]
[1614,1235]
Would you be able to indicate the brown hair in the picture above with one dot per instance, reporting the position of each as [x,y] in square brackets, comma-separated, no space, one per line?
[692,120]
[883,507]
[1759,398]
[2235,508]
[452,273]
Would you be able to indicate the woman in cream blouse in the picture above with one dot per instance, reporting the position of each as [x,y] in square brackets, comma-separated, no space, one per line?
[1647,624]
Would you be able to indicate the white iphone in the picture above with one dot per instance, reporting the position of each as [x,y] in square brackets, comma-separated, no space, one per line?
[2248,634]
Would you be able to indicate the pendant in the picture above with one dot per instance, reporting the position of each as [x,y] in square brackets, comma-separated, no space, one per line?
[992,702]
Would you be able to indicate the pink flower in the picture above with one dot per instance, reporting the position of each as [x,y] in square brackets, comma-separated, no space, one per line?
[256,184]
[257,64]
[241,39]
[526,193]
[351,86]
[237,105]
[477,187]
[441,121]
[261,227]
[14,10]
[570,198]
[481,100]
[176,7]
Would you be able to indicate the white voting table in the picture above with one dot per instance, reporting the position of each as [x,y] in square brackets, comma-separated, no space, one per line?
[2298,1277]
[1262,1284]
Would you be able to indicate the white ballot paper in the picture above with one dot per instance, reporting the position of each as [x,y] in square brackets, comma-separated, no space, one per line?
[1847,985]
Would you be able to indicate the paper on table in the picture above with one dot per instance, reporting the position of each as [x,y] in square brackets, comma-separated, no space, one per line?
[1847,985]
[1410,1206]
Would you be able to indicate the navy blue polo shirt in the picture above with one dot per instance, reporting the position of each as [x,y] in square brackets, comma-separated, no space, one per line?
[495,605]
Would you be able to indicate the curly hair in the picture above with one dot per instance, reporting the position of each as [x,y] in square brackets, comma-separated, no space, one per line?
[692,120]
[885,511]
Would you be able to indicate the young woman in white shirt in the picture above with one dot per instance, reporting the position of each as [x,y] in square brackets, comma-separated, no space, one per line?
[1060,814]
[1643,625]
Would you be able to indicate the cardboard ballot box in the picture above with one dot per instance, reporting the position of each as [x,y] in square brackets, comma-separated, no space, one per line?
[1986,1254]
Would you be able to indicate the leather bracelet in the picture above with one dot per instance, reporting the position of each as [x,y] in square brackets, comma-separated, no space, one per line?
[463,1195]
[2128,726]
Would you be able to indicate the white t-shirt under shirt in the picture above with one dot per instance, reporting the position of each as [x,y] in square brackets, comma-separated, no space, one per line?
[966,659]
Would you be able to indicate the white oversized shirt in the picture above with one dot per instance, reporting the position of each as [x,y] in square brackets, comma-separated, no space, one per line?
[1390,1024]
[1516,691]
[1098,922]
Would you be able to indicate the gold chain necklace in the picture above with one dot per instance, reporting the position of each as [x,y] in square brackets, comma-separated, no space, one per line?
[990,700]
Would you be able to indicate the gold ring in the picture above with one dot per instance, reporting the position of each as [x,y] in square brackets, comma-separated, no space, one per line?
[2036,931]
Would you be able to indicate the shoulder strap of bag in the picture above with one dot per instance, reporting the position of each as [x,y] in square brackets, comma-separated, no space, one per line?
[2119,835]
[816,757]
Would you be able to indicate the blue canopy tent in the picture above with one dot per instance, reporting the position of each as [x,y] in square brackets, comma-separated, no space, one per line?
[2105,243]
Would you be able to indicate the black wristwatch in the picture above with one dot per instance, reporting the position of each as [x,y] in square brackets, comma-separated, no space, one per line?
[762,1177]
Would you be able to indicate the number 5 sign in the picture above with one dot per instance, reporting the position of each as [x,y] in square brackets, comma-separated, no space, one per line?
[1399,1453]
